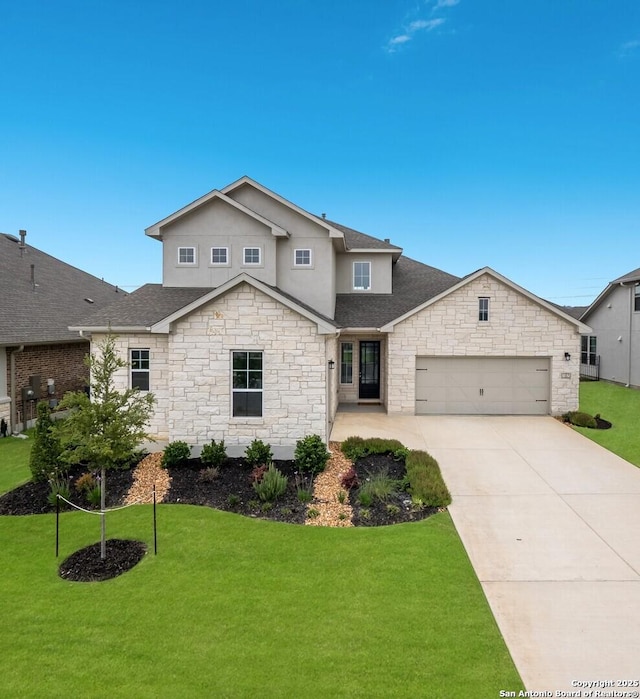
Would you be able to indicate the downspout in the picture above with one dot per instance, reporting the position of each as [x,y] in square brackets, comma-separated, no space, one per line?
[630,329]
[12,377]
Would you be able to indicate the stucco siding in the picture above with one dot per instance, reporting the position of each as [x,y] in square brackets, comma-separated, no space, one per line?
[517,327]
[381,273]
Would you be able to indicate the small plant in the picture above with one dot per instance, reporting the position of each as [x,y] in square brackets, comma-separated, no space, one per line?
[285,511]
[45,452]
[214,454]
[94,496]
[365,513]
[272,485]
[254,504]
[582,420]
[311,454]
[353,448]
[266,506]
[257,473]
[365,499]
[233,500]
[401,453]
[349,479]
[58,486]
[342,516]
[85,483]
[341,496]
[379,486]
[210,474]
[312,513]
[258,453]
[175,454]
[393,509]
[304,495]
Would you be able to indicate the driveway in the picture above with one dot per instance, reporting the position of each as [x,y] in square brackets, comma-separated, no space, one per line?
[551,524]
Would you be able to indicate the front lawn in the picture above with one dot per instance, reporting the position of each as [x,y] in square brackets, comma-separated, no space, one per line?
[237,607]
[14,462]
[621,407]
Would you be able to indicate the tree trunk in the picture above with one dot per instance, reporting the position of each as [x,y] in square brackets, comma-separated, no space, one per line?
[103,525]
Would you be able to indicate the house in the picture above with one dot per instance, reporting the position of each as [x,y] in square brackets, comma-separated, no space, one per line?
[39,356]
[269,318]
[614,339]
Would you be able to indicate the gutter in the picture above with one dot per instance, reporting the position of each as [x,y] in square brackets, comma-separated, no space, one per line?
[13,416]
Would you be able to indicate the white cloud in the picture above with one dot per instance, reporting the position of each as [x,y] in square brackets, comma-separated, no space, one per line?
[445,3]
[410,31]
[427,24]
[629,47]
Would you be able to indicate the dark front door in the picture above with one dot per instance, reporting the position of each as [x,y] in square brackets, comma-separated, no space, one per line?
[369,370]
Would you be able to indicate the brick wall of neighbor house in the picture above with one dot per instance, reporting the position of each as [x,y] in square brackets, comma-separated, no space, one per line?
[158,376]
[295,372]
[450,327]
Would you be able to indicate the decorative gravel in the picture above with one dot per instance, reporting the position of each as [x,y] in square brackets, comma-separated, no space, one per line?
[326,490]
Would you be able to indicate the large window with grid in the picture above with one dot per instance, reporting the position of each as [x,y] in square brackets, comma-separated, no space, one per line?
[140,368]
[247,384]
[362,275]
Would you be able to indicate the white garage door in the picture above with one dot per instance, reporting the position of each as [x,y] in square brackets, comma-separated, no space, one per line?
[482,386]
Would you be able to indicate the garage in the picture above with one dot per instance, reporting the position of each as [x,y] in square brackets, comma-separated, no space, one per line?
[482,385]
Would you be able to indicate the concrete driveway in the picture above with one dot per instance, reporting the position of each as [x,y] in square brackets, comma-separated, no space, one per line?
[551,524]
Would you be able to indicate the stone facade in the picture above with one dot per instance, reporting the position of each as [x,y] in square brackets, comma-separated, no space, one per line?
[190,373]
[517,327]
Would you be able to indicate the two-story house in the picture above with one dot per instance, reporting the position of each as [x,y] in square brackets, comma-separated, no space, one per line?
[269,317]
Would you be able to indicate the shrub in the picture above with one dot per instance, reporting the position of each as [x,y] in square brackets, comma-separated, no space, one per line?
[175,454]
[272,485]
[210,474]
[582,420]
[44,459]
[86,482]
[94,495]
[258,453]
[304,494]
[426,484]
[214,454]
[311,454]
[378,486]
[349,479]
[364,498]
[341,497]
[58,485]
[312,513]
[393,509]
[233,500]
[401,454]
[353,448]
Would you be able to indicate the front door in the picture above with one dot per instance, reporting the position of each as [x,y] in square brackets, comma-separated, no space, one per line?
[369,384]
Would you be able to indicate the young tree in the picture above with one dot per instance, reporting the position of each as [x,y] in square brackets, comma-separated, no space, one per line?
[45,452]
[106,428]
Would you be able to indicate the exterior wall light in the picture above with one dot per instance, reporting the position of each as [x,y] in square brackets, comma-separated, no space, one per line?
[332,364]
[567,356]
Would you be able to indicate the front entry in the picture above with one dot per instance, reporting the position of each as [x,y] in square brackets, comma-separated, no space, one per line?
[369,383]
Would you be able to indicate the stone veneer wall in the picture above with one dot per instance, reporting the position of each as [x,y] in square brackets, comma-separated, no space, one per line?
[517,327]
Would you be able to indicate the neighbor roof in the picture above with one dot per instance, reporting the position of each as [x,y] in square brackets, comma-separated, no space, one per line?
[41,311]
[629,278]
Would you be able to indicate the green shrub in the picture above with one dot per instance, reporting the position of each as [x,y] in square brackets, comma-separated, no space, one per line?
[175,454]
[378,486]
[44,460]
[356,447]
[304,494]
[233,500]
[426,484]
[214,454]
[94,495]
[58,485]
[365,499]
[272,485]
[582,420]
[353,448]
[312,513]
[258,453]
[311,454]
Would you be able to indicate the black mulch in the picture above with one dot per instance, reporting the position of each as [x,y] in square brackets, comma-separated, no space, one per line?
[86,565]
[602,424]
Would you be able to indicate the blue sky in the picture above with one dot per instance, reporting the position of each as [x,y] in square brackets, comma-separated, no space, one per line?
[470,132]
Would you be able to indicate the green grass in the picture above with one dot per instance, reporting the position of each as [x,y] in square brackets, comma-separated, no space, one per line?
[235,607]
[14,462]
[619,405]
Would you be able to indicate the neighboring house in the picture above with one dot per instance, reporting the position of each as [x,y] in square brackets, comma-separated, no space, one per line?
[40,297]
[614,339]
[269,317]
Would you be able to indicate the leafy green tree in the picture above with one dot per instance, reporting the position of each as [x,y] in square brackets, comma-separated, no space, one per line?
[106,428]
[45,453]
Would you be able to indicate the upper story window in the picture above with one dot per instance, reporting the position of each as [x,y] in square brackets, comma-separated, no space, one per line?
[302,257]
[636,298]
[483,309]
[362,275]
[219,256]
[140,368]
[251,256]
[186,256]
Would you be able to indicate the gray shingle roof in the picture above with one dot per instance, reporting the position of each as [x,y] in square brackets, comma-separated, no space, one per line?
[629,277]
[356,239]
[42,313]
[413,284]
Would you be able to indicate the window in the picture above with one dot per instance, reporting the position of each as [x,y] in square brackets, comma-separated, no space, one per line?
[588,349]
[219,256]
[251,256]
[346,362]
[302,258]
[186,256]
[362,275]
[247,384]
[483,309]
[636,298]
[139,362]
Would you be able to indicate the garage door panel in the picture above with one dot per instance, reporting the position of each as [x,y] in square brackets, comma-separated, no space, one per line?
[482,385]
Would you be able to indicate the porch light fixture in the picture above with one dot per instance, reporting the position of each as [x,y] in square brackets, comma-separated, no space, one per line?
[567,356]
[332,364]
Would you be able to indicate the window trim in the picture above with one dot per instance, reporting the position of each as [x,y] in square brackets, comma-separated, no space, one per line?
[483,309]
[636,297]
[588,349]
[195,256]
[244,256]
[302,264]
[140,372]
[344,364]
[227,261]
[353,279]
[246,390]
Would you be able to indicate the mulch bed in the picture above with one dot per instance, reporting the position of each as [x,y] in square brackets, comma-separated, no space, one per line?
[86,565]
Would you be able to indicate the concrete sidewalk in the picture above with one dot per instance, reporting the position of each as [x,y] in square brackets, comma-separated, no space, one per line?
[551,524]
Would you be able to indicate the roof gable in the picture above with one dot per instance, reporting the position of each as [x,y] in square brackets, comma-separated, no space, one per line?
[625,280]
